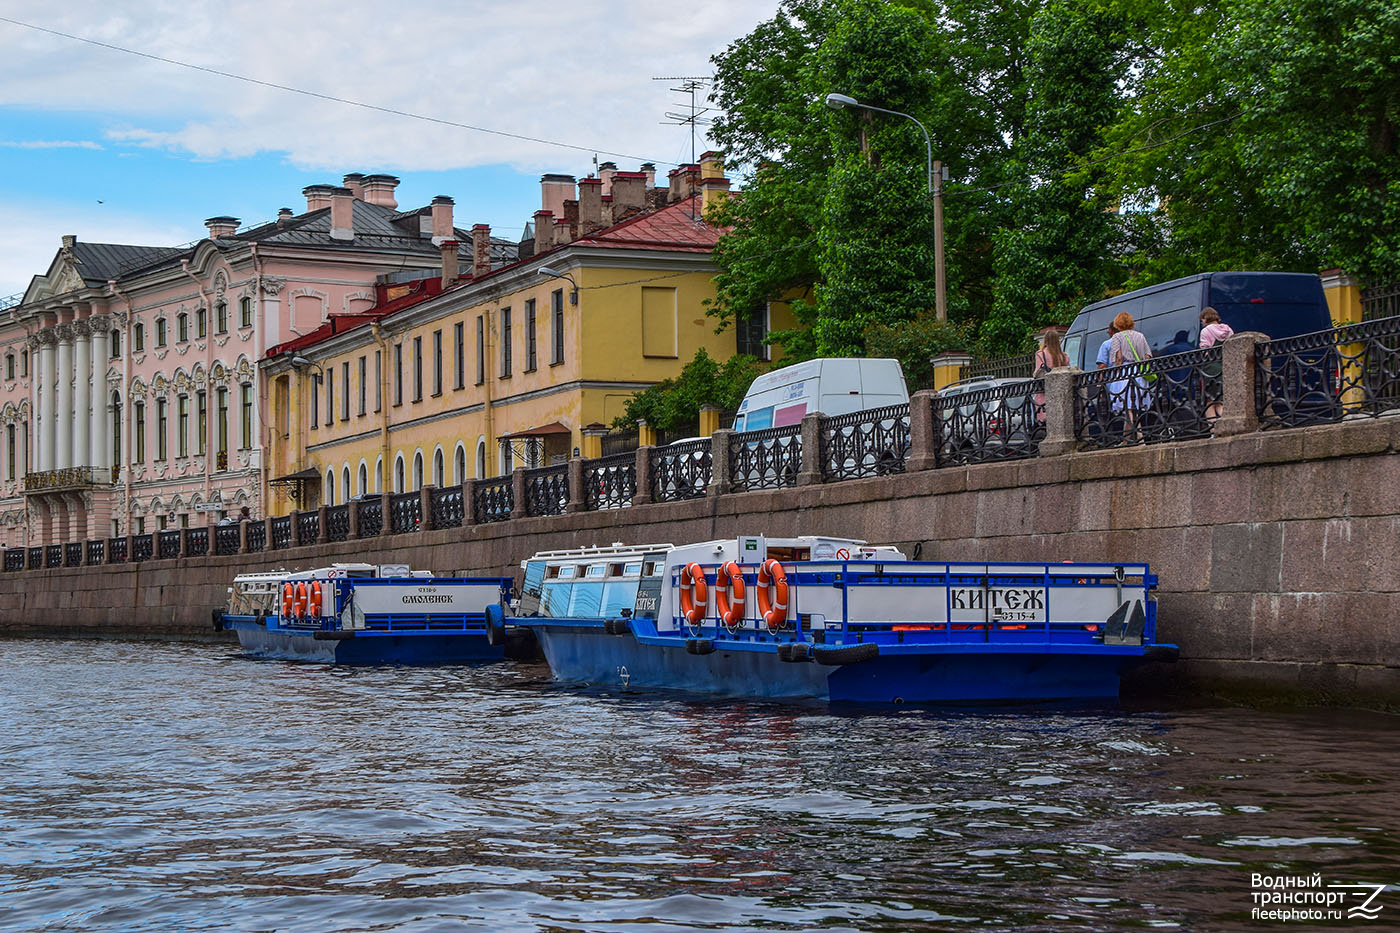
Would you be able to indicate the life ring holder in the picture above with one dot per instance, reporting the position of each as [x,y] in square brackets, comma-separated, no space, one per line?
[695,596]
[299,599]
[772,593]
[729,596]
[313,606]
[288,602]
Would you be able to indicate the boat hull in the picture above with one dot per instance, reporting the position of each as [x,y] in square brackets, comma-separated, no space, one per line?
[366,647]
[908,674]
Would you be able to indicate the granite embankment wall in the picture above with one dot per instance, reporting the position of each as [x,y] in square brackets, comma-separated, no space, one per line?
[1278,552]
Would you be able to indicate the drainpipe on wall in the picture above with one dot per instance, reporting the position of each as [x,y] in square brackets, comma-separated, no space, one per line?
[384,364]
[128,413]
[262,437]
[208,355]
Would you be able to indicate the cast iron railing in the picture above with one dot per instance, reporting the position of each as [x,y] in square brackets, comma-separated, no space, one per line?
[1007,367]
[1380,301]
[681,471]
[168,544]
[620,441]
[999,422]
[143,546]
[338,522]
[196,542]
[547,490]
[225,539]
[36,558]
[53,555]
[308,527]
[493,500]
[404,512]
[445,507]
[281,532]
[1162,399]
[14,559]
[766,459]
[97,551]
[73,554]
[371,520]
[610,482]
[874,442]
[257,536]
[1352,371]
[116,550]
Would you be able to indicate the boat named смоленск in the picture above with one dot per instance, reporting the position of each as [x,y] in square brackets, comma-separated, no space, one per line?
[838,620]
[365,614]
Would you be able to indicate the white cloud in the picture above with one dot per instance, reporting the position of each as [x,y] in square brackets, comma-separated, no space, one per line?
[48,144]
[579,73]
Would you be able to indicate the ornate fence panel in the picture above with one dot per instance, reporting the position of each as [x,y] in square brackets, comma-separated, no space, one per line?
[1351,371]
[73,554]
[168,544]
[308,527]
[445,507]
[371,517]
[620,442]
[196,542]
[143,547]
[97,551]
[14,558]
[610,482]
[338,522]
[766,459]
[493,500]
[1380,301]
[874,442]
[36,558]
[1007,367]
[281,533]
[547,490]
[1167,398]
[996,422]
[53,555]
[404,509]
[226,539]
[116,550]
[257,536]
[681,471]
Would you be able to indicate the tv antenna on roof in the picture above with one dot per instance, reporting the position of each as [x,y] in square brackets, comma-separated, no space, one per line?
[694,115]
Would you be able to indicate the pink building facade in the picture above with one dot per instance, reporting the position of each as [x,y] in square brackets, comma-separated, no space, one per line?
[130,398]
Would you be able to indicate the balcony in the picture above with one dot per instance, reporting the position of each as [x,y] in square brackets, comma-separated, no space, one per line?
[67,479]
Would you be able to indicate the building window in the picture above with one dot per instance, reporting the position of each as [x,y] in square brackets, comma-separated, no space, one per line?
[459,465]
[480,349]
[750,331]
[330,487]
[182,424]
[530,334]
[418,369]
[345,391]
[201,421]
[362,385]
[398,374]
[161,447]
[315,400]
[221,318]
[330,395]
[200,324]
[437,467]
[245,404]
[24,363]
[418,470]
[9,366]
[161,332]
[459,355]
[364,479]
[437,362]
[556,304]
[505,342]
[138,442]
[138,337]
[398,475]
[10,451]
[345,483]
[245,312]
[378,382]
[182,327]
[221,428]
[116,433]
[114,344]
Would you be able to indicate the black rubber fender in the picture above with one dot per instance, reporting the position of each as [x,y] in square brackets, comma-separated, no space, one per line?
[617,626]
[699,646]
[495,625]
[218,618]
[845,654]
[794,651]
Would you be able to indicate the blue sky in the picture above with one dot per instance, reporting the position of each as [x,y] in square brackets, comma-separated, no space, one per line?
[118,148]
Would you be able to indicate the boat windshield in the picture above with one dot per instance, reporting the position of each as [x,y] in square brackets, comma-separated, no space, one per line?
[593,589]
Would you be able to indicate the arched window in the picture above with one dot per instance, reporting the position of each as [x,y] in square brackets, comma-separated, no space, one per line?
[398,474]
[437,468]
[481,458]
[330,487]
[379,474]
[345,482]
[459,465]
[418,470]
[364,478]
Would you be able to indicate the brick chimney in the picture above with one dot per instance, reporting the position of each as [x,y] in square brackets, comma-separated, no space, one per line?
[318,196]
[607,210]
[554,188]
[442,218]
[449,262]
[342,214]
[629,193]
[571,216]
[544,231]
[481,250]
[284,217]
[712,191]
[355,182]
[379,189]
[590,205]
[689,178]
[220,227]
[606,171]
[649,169]
[561,232]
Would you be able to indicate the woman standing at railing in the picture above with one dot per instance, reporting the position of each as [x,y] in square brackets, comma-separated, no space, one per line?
[1048,357]
[1213,331]
[1131,396]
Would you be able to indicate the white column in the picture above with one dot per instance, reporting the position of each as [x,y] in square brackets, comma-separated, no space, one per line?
[44,384]
[82,399]
[63,417]
[99,451]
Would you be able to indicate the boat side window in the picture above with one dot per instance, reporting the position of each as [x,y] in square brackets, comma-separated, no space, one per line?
[554,599]
[617,596]
[597,571]
[653,568]
[568,572]
[586,600]
[634,569]
[534,577]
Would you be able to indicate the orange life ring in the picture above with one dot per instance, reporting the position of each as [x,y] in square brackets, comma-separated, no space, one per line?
[695,596]
[772,606]
[299,599]
[287,600]
[729,595]
[314,606]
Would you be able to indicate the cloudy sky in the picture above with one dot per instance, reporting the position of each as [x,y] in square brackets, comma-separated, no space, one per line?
[119,148]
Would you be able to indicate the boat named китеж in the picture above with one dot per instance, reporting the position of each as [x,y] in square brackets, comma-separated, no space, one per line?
[365,614]
[838,620]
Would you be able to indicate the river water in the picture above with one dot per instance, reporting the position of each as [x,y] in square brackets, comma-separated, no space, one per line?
[152,786]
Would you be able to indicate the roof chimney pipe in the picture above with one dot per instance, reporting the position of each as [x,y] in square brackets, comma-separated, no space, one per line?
[442,218]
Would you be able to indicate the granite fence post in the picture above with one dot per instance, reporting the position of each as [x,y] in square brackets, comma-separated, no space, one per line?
[721,477]
[1059,412]
[812,427]
[642,495]
[1239,414]
[578,495]
[425,507]
[923,433]
[517,494]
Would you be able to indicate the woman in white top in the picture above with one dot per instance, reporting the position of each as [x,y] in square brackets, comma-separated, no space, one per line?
[1129,346]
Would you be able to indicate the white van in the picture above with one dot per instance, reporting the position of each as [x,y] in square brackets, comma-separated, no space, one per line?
[830,386]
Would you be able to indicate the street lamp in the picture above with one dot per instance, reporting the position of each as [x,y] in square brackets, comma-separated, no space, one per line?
[573,292]
[935,189]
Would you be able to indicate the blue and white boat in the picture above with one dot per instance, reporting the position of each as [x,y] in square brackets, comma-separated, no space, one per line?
[838,620]
[365,614]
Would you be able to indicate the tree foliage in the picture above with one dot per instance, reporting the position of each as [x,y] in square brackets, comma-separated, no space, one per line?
[672,404]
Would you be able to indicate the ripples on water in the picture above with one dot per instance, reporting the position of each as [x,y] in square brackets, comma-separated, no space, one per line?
[148,786]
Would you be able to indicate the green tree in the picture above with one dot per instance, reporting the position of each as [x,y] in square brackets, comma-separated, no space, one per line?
[674,404]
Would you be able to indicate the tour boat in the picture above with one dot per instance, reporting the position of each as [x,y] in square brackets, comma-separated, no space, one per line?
[838,620]
[365,614]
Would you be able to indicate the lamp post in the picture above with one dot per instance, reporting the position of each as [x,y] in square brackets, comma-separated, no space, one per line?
[935,190]
[573,291]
